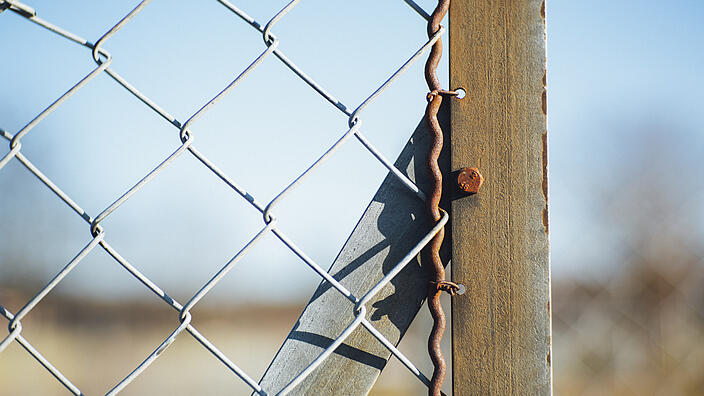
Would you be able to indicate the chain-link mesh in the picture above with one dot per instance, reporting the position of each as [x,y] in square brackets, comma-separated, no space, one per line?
[103,59]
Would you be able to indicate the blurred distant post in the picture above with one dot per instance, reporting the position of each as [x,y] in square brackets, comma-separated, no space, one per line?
[501,326]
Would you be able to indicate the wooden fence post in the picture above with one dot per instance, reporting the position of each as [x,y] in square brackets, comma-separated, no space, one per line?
[501,326]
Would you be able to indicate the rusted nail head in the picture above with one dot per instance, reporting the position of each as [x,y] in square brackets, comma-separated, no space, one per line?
[470,180]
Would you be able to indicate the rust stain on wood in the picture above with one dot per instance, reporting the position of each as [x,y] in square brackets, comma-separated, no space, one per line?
[542,10]
[544,101]
[544,139]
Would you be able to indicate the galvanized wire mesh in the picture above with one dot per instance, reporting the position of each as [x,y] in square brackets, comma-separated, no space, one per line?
[103,60]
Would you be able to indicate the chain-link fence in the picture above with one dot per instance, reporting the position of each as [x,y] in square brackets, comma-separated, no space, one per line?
[187,137]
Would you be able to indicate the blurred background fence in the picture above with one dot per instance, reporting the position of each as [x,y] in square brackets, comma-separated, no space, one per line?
[627,219]
[633,322]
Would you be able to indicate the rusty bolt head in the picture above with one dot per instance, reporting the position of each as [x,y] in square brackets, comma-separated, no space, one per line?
[470,180]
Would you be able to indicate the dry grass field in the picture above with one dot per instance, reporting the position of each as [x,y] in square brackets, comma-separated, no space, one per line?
[96,345]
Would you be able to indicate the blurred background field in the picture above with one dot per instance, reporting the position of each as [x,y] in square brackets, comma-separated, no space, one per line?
[626,142]
[97,344]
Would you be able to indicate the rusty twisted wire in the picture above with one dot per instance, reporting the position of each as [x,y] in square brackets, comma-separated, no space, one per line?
[432,251]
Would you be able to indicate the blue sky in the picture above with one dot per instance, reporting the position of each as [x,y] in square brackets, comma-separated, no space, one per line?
[614,68]
[623,76]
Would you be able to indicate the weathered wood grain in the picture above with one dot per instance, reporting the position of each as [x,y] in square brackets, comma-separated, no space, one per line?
[392,224]
[501,326]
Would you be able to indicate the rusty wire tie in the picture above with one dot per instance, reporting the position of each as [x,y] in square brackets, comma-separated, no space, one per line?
[449,287]
[432,94]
